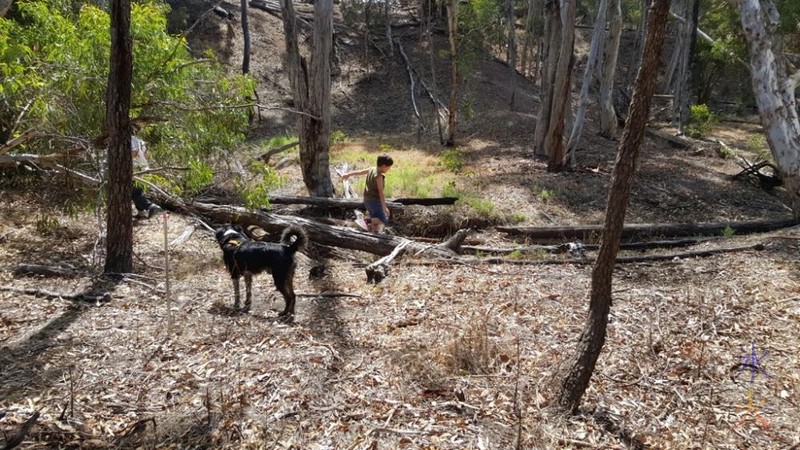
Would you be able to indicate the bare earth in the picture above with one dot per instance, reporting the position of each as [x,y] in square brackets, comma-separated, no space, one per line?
[438,356]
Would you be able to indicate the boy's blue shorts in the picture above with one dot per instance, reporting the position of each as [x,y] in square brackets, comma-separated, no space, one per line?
[375,210]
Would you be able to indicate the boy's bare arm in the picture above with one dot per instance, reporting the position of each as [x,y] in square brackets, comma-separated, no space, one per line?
[355,173]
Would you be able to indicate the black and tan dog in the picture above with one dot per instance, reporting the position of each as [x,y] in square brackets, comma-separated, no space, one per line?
[245,257]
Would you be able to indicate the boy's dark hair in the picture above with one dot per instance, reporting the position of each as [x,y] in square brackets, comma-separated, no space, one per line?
[385,160]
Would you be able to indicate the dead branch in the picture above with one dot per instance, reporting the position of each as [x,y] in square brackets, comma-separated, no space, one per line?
[270,153]
[586,232]
[19,436]
[584,261]
[442,108]
[379,270]
[563,248]
[19,140]
[455,241]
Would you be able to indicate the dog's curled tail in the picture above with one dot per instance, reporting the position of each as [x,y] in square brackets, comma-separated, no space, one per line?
[299,238]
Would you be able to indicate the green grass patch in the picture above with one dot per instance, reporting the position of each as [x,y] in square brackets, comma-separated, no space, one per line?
[411,176]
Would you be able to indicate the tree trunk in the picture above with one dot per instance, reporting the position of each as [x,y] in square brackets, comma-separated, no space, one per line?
[683,92]
[246,35]
[774,90]
[608,117]
[311,90]
[526,41]
[554,140]
[635,62]
[598,36]
[552,43]
[512,49]
[577,377]
[452,28]
[119,226]
[388,17]
[5,5]
[428,27]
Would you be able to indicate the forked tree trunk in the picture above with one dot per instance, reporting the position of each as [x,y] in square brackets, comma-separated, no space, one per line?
[119,235]
[311,90]
[608,117]
[246,35]
[512,49]
[552,44]
[579,372]
[452,28]
[774,89]
[598,36]
[554,140]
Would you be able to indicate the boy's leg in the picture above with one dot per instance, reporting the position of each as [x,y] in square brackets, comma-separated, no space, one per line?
[376,225]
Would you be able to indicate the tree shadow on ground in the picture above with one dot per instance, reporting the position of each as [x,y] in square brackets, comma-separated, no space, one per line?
[24,368]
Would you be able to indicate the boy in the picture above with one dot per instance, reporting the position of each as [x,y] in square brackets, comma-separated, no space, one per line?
[374,197]
[146,209]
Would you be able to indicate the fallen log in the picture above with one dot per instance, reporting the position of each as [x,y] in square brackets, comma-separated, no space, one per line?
[379,270]
[562,248]
[674,141]
[425,201]
[46,271]
[587,232]
[325,202]
[586,261]
[378,244]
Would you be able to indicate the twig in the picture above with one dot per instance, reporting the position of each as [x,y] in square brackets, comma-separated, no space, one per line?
[159,169]
[330,294]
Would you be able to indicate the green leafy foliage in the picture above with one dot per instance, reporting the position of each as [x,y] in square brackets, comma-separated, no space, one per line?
[54,61]
[452,159]
[255,192]
[700,121]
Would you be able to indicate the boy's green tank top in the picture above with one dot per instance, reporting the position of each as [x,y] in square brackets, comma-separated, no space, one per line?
[371,187]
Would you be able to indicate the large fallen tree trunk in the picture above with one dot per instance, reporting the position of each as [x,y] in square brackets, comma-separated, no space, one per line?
[586,232]
[572,246]
[396,203]
[378,244]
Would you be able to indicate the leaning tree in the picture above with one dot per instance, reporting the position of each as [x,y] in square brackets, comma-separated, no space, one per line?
[579,371]
[774,83]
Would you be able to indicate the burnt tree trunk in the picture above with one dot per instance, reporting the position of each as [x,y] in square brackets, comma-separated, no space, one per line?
[119,225]
[581,367]
[246,35]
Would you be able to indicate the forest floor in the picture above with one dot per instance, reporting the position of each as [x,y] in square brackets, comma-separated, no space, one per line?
[437,356]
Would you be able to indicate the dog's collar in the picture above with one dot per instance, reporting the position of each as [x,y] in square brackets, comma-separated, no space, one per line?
[233,242]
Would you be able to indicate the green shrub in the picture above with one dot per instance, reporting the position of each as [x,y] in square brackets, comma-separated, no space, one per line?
[337,137]
[452,159]
[700,121]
